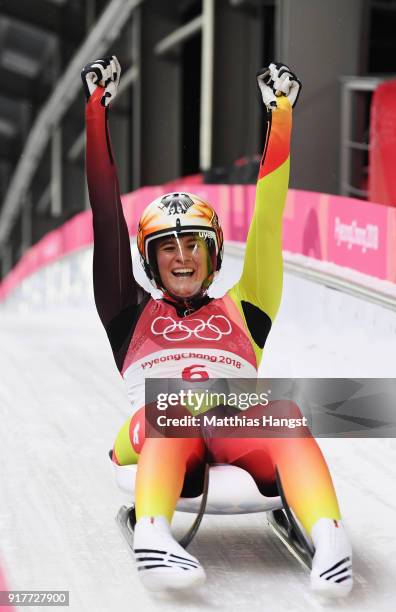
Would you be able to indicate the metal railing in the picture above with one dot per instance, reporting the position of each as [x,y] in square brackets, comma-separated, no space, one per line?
[101,36]
[47,127]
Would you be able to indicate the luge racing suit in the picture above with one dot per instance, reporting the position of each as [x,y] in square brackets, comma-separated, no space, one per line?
[222,338]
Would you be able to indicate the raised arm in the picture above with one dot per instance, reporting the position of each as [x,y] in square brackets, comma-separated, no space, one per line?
[117,295]
[258,292]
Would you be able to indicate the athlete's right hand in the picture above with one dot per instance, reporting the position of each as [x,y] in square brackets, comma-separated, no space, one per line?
[103,73]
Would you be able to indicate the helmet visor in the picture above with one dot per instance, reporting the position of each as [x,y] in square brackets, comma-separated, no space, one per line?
[183,263]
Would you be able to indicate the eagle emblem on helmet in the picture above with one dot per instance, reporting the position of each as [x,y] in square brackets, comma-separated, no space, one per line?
[176,203]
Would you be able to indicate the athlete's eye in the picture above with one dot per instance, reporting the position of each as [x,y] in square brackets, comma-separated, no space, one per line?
[167,247]
[194,244]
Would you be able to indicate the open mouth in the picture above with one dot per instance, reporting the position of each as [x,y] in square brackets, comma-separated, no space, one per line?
[183,272]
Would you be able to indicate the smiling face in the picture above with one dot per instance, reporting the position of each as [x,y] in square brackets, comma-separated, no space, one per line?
[182,264]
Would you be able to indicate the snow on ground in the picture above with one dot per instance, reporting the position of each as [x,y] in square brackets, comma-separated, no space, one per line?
[61,404]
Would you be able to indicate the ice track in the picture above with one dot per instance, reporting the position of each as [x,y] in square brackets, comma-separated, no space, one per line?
[61,404]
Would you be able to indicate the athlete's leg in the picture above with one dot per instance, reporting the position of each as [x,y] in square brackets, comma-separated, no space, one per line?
[302,468]
[309,491]
[306,479]
[303,471]
[161,561]
[163,464]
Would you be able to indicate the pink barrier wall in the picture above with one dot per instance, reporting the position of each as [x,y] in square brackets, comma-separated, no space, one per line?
[348,232]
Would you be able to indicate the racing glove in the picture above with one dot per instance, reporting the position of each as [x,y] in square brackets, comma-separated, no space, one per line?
[275,81]
[104,73]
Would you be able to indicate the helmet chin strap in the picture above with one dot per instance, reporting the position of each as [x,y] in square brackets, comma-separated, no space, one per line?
[186,305]
[185,300]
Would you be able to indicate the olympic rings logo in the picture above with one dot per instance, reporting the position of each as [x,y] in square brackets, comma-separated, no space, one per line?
[213,329]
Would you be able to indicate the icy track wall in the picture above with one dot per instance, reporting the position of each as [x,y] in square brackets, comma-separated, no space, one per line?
[339,304]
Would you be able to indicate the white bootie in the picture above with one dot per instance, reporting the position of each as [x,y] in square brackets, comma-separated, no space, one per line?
[161,562]
[331,572]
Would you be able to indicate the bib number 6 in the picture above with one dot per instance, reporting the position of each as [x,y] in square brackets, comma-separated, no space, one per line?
[192,373]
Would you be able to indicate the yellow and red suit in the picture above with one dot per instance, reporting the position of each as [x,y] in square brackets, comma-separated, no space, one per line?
[222,338]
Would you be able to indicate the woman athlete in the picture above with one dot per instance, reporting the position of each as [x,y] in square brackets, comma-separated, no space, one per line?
[181,245]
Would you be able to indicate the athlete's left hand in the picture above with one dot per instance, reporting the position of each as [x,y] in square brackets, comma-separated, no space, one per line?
[275,81]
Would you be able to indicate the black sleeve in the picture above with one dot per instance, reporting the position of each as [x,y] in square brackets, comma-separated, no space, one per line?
[119,298]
